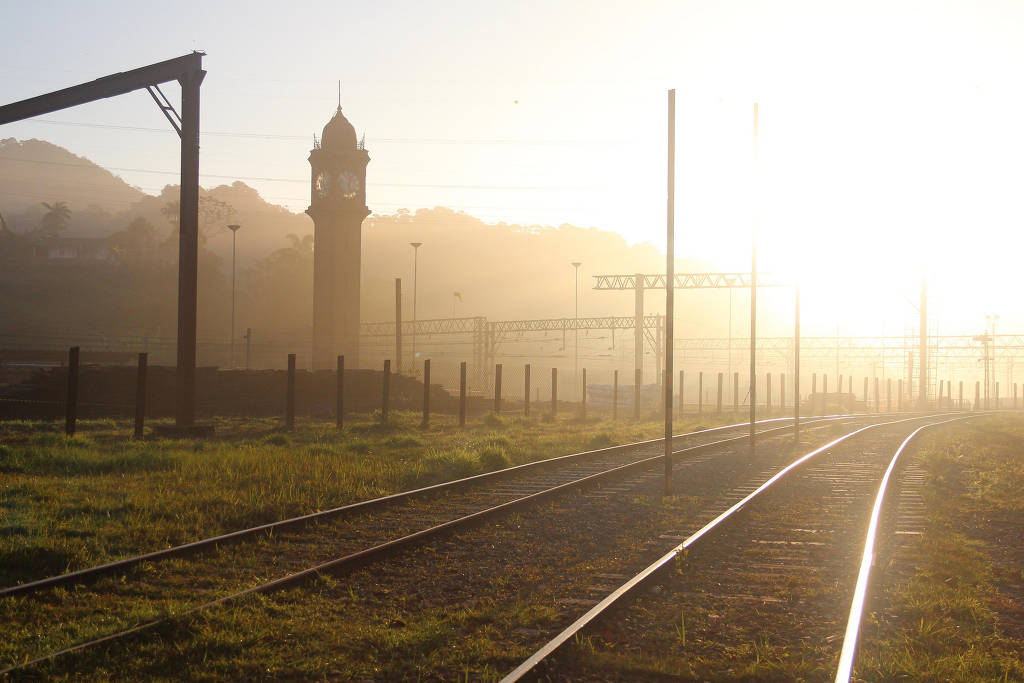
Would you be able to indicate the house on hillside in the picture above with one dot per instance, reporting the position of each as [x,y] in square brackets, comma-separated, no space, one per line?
[53,250]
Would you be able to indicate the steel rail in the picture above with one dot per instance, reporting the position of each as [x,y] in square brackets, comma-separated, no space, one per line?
[380,551]
[845,668]
[577,626]
[194,547]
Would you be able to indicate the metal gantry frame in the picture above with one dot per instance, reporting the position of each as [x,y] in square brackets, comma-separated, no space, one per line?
[188,71]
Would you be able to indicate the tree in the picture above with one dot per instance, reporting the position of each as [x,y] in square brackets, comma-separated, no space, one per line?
[56,218]
[135,243]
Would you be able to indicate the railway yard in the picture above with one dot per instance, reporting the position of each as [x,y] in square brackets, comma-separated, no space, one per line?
[577,567]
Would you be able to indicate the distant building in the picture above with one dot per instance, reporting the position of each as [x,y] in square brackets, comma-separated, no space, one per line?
[338,206]
[71,250]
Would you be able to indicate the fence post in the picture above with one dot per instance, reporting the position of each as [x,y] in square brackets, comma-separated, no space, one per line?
[718,404]
[636,394]
[385,392]
[526,394]
[782,393]
[960,397]
[768,394]
[615,395]
[497,387]
[824,383]
[140,395]
[938,402]
[462,394]
[583,398]
[735,392]
[899,396]
[398,327]
[289,399]
[888,394]
[426,394]
[554,392]
[682,406]
[814,393]
[248,347]
[977,395]
[339,398]
[878,405]
[700,392]
[71,405]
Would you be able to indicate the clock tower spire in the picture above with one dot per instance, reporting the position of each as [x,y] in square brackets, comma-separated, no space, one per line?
[337,206]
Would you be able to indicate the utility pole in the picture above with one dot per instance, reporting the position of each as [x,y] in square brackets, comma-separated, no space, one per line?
[923,352]
[753,302]
[415,273]
[670,286]
[234,234]
[576,330]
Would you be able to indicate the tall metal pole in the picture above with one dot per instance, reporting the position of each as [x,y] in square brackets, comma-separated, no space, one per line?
[753,303]
[670,248]
[576,331]
[796,369]
[922,399]
[234,234]
[188,249]
[415,272]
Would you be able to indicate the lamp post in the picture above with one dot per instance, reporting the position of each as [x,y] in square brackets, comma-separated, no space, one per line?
[415,271]
[234,235]
[576,330]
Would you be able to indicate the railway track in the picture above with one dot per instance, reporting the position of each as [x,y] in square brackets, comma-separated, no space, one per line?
[139,593]
[760,585]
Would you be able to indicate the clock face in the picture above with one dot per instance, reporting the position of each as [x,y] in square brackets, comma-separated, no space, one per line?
[320,184]
[348,183]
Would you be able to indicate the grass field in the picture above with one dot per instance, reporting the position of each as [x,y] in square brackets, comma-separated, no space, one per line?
[69,503]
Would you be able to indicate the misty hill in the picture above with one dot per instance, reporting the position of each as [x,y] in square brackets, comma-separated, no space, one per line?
[35,171]
[498,271]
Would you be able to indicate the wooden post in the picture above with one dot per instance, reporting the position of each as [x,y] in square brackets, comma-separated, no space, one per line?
[526,394]
[426,394]
[554,392]
[636,394]
[977,395]
[339,394]
[615,395]
[497,387]
[682,405]
[718,403]
[583,397]
[140,395]
[878,405]
[824,383]
[735,392]
[700,392]
[866,403]
[385,403]
[960,396]
[899,396]
[888,394]
[782,393]
[71,405]
[768,394]
[289,400]
[938,402]
[462,394]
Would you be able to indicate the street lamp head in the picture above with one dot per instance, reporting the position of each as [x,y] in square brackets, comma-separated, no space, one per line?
[577,264]
[416,245]
[234,227]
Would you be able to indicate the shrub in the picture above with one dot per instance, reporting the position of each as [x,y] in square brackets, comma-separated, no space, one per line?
[494,420]
[493,459]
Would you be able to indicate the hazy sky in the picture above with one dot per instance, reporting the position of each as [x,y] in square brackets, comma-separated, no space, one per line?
[889,137]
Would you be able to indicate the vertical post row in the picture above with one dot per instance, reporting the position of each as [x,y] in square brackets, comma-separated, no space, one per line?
[385,402]
[497,387]
[554,392]
[462,394]
[140,395]
[339,394]
[426,394]
[718,404]
[289,399]
[71,405]
[526,387]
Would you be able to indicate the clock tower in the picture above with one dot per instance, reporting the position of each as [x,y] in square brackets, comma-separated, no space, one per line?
[337,207]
